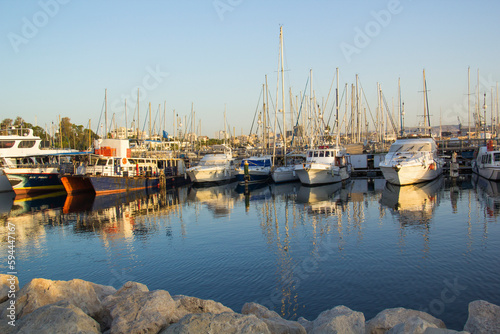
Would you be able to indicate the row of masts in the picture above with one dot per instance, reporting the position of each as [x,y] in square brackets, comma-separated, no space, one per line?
[312,124]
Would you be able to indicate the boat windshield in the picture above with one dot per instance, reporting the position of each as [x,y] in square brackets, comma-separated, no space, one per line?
[414,147]
[497,157]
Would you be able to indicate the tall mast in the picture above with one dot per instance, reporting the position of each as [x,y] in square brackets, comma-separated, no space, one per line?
[138,116]
[126,121]
[337,104]
[105,113]
[266,136]
[283,95]
[425,109]
[468,98]
[401,131]
[149,120]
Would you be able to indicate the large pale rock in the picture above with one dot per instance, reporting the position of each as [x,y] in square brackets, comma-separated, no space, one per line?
[431,330]
[275,323]
[413,325]
[135,309]
[484,317]
[223,323]
[340,319]
[186,305]
[61,317]
[84,295]
[308,325]
[389,318]
[8,284]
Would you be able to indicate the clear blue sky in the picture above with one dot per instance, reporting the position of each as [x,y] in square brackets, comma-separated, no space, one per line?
[58,56]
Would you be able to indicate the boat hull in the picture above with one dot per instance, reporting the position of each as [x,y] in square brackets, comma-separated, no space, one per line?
[115,184]
[410,174]
[210,176]
[490,173]
[75,184]
[284,174]
[311,176]
[29,182]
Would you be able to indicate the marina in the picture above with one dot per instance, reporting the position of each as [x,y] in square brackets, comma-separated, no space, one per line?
[295,249]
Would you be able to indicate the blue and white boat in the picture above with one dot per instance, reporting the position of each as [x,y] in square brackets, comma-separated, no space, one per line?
[259,169]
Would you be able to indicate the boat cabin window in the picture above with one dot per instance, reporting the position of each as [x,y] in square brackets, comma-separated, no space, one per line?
[322,154]
[131,161]
[315,154]
[102,162]
[27,143]
[7,143]
[309,154]
[497,157]
[327,154]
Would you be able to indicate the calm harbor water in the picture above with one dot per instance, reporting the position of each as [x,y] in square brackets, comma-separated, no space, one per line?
[297,250]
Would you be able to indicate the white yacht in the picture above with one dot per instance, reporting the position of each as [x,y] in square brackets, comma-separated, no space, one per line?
[216,167]
[324,165]
[487,162]
[412,160]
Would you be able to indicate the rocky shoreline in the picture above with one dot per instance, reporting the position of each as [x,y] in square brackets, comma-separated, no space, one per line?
[77,306]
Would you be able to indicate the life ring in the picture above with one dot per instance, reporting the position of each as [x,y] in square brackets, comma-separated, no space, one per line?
[432,166]
[124,161]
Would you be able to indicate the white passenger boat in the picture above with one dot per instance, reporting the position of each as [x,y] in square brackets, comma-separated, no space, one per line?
[324,165]
[29,168]
[412,160]
[487,162]
[213,168]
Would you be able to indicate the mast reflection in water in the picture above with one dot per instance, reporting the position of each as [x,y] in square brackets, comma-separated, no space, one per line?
[297,250]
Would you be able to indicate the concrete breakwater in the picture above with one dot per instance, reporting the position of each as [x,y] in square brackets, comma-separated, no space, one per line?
[77,306]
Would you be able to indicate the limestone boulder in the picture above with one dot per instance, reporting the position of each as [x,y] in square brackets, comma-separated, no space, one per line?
[223,323]
[308,325]
[431,330]
[135,309]
[187,305]
[40,292]
[275,323]
[484,317]
[8,283]
[61,317]
[413,325]
[340,319]
[389,318]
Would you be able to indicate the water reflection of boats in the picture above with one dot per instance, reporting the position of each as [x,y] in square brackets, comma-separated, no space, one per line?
[6,201]
[90,202]
[23,205]
[218,198]
[489,191]
[415,203]
[324,199]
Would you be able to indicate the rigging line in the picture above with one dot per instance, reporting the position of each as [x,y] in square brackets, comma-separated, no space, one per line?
[256,109]
[100,117]
[328,97]
[300,110]
[364,95]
